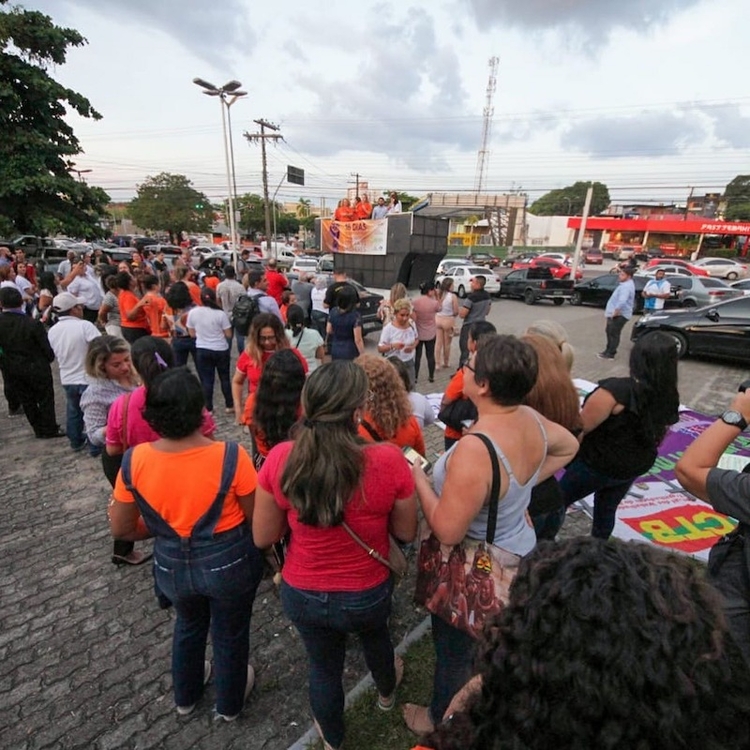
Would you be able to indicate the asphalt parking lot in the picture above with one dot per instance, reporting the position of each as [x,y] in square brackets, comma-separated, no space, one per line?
[84,650]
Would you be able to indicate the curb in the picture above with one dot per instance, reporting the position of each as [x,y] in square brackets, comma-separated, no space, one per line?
[311,735]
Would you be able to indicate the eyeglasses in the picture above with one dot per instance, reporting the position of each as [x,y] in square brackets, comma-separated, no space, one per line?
[267,338]
[469,367]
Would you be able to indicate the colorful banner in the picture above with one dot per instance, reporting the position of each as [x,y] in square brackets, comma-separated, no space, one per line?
[657,509]
[367,237]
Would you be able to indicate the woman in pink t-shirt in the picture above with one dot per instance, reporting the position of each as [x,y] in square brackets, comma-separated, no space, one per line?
[331,586]
[424,309]
[126,426]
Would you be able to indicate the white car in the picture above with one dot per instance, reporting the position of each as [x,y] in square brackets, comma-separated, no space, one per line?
[447,263]
[668,270]
[743,286]
[724,268]
[462,276]
[305,265]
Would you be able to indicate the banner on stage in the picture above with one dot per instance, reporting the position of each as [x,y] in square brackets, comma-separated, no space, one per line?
[367,237]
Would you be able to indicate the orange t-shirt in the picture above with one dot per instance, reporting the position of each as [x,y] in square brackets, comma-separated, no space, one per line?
[363,210]
[195,292]
[409,433]
[127,301]
[155,310]
[180,487]
[211,282]
[342,213]
[455,390]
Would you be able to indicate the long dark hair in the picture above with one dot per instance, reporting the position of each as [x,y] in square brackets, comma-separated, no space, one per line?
[653,369]
[277,400]
[325,465]
[151,355]
[295,319]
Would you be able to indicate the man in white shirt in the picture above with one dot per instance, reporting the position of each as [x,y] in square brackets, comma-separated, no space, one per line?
[655,292]
[69,339]
[66,266]
[83,282]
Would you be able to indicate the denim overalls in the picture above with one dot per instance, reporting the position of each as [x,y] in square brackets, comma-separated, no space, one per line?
[211,579]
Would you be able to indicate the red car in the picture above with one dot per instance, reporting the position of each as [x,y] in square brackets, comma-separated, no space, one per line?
[558,270]
[696,270]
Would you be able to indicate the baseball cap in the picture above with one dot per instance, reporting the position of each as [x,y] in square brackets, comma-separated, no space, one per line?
[65,301]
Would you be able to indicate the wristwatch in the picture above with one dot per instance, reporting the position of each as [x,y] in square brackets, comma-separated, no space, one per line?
[734,419]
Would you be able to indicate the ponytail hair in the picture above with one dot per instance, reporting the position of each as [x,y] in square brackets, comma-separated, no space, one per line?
[295,319]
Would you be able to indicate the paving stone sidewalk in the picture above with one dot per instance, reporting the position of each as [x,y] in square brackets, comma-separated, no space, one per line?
[84,649]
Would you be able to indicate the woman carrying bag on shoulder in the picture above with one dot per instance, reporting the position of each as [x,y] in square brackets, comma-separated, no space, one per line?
[524,448]
[326,487]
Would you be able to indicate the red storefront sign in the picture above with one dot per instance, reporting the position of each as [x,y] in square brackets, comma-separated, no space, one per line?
[662,226]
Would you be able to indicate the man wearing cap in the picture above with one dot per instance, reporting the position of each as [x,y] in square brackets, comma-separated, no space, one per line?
[25,356]
[618,311]
[69,339]
[83,282]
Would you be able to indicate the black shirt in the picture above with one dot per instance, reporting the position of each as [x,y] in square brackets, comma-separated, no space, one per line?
[332,293]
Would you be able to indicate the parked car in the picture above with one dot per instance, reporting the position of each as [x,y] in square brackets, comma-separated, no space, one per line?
[558,270]
[483,259]
[447,263]
[305,265]
[523,257]
[697,270]
[719,330]
[325,263]
[743,285]
[593,256]
[563,258]
[534,284]
[598,290]
[140,242]
[695,291]
[668,269]
[462,276]
[724,268]
[369,302]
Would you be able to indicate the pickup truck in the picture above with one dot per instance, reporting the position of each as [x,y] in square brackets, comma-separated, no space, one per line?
[32,246]
[533,284]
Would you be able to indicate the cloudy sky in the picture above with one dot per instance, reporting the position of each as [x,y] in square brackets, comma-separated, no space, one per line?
[648,96]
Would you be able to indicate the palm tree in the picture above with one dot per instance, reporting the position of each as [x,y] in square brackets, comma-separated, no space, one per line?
[303,208]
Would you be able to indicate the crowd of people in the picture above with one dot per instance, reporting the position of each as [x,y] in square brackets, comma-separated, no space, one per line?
[597,643]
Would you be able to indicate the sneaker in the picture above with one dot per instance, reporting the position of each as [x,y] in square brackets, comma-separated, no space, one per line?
[16,412]
[386,703]
[604,355]
[249,685]
[186,710]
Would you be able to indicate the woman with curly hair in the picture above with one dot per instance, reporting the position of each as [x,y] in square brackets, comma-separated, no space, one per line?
[323,486]
[641,658]
[389,412]
[624,420]
[274,407]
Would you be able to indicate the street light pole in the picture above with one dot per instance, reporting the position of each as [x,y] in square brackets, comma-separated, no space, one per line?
[80,172]
[230,88]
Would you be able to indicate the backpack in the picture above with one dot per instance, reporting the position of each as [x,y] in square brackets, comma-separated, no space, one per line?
[243,312]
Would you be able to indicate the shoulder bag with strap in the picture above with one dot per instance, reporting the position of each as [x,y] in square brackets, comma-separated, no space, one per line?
[470,600]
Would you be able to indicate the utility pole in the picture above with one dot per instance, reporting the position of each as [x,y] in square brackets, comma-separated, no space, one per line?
[262,137]
[356,177]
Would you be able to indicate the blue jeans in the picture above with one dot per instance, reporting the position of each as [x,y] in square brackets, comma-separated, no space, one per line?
[183,347]
[240,342]
[454,657]
[581,480]
[212,585]
[208,361]
[74,415]
[323,620]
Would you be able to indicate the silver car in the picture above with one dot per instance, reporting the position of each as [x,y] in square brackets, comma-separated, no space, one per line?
[698,291]
[724,268]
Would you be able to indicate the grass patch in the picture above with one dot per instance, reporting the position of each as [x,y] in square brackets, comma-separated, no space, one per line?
[368,727]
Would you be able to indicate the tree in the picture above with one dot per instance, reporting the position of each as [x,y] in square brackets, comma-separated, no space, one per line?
[253,213]
[568,201]
[38,193]
[304,208]
[287,224]
[169,202]
[737,197]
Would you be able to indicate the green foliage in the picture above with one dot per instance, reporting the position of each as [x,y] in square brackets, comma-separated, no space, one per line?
[737,196]
[253,214]
[169,202]
[38,193]
[287,224]
[568,201]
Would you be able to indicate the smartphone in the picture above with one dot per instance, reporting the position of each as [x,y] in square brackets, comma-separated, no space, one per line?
[412,457]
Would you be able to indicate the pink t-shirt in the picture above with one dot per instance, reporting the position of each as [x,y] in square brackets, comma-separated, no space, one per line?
[138,429]
[328,559]
[425,308]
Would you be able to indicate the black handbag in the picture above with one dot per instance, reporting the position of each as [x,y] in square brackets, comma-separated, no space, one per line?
[457,412]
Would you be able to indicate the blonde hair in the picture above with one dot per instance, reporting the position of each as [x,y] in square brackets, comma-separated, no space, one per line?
[401,304]
[100,350]
[389,406]
[553,331]
[398,291]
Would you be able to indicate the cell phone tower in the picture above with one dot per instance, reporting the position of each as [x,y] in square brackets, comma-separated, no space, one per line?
[483,157]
